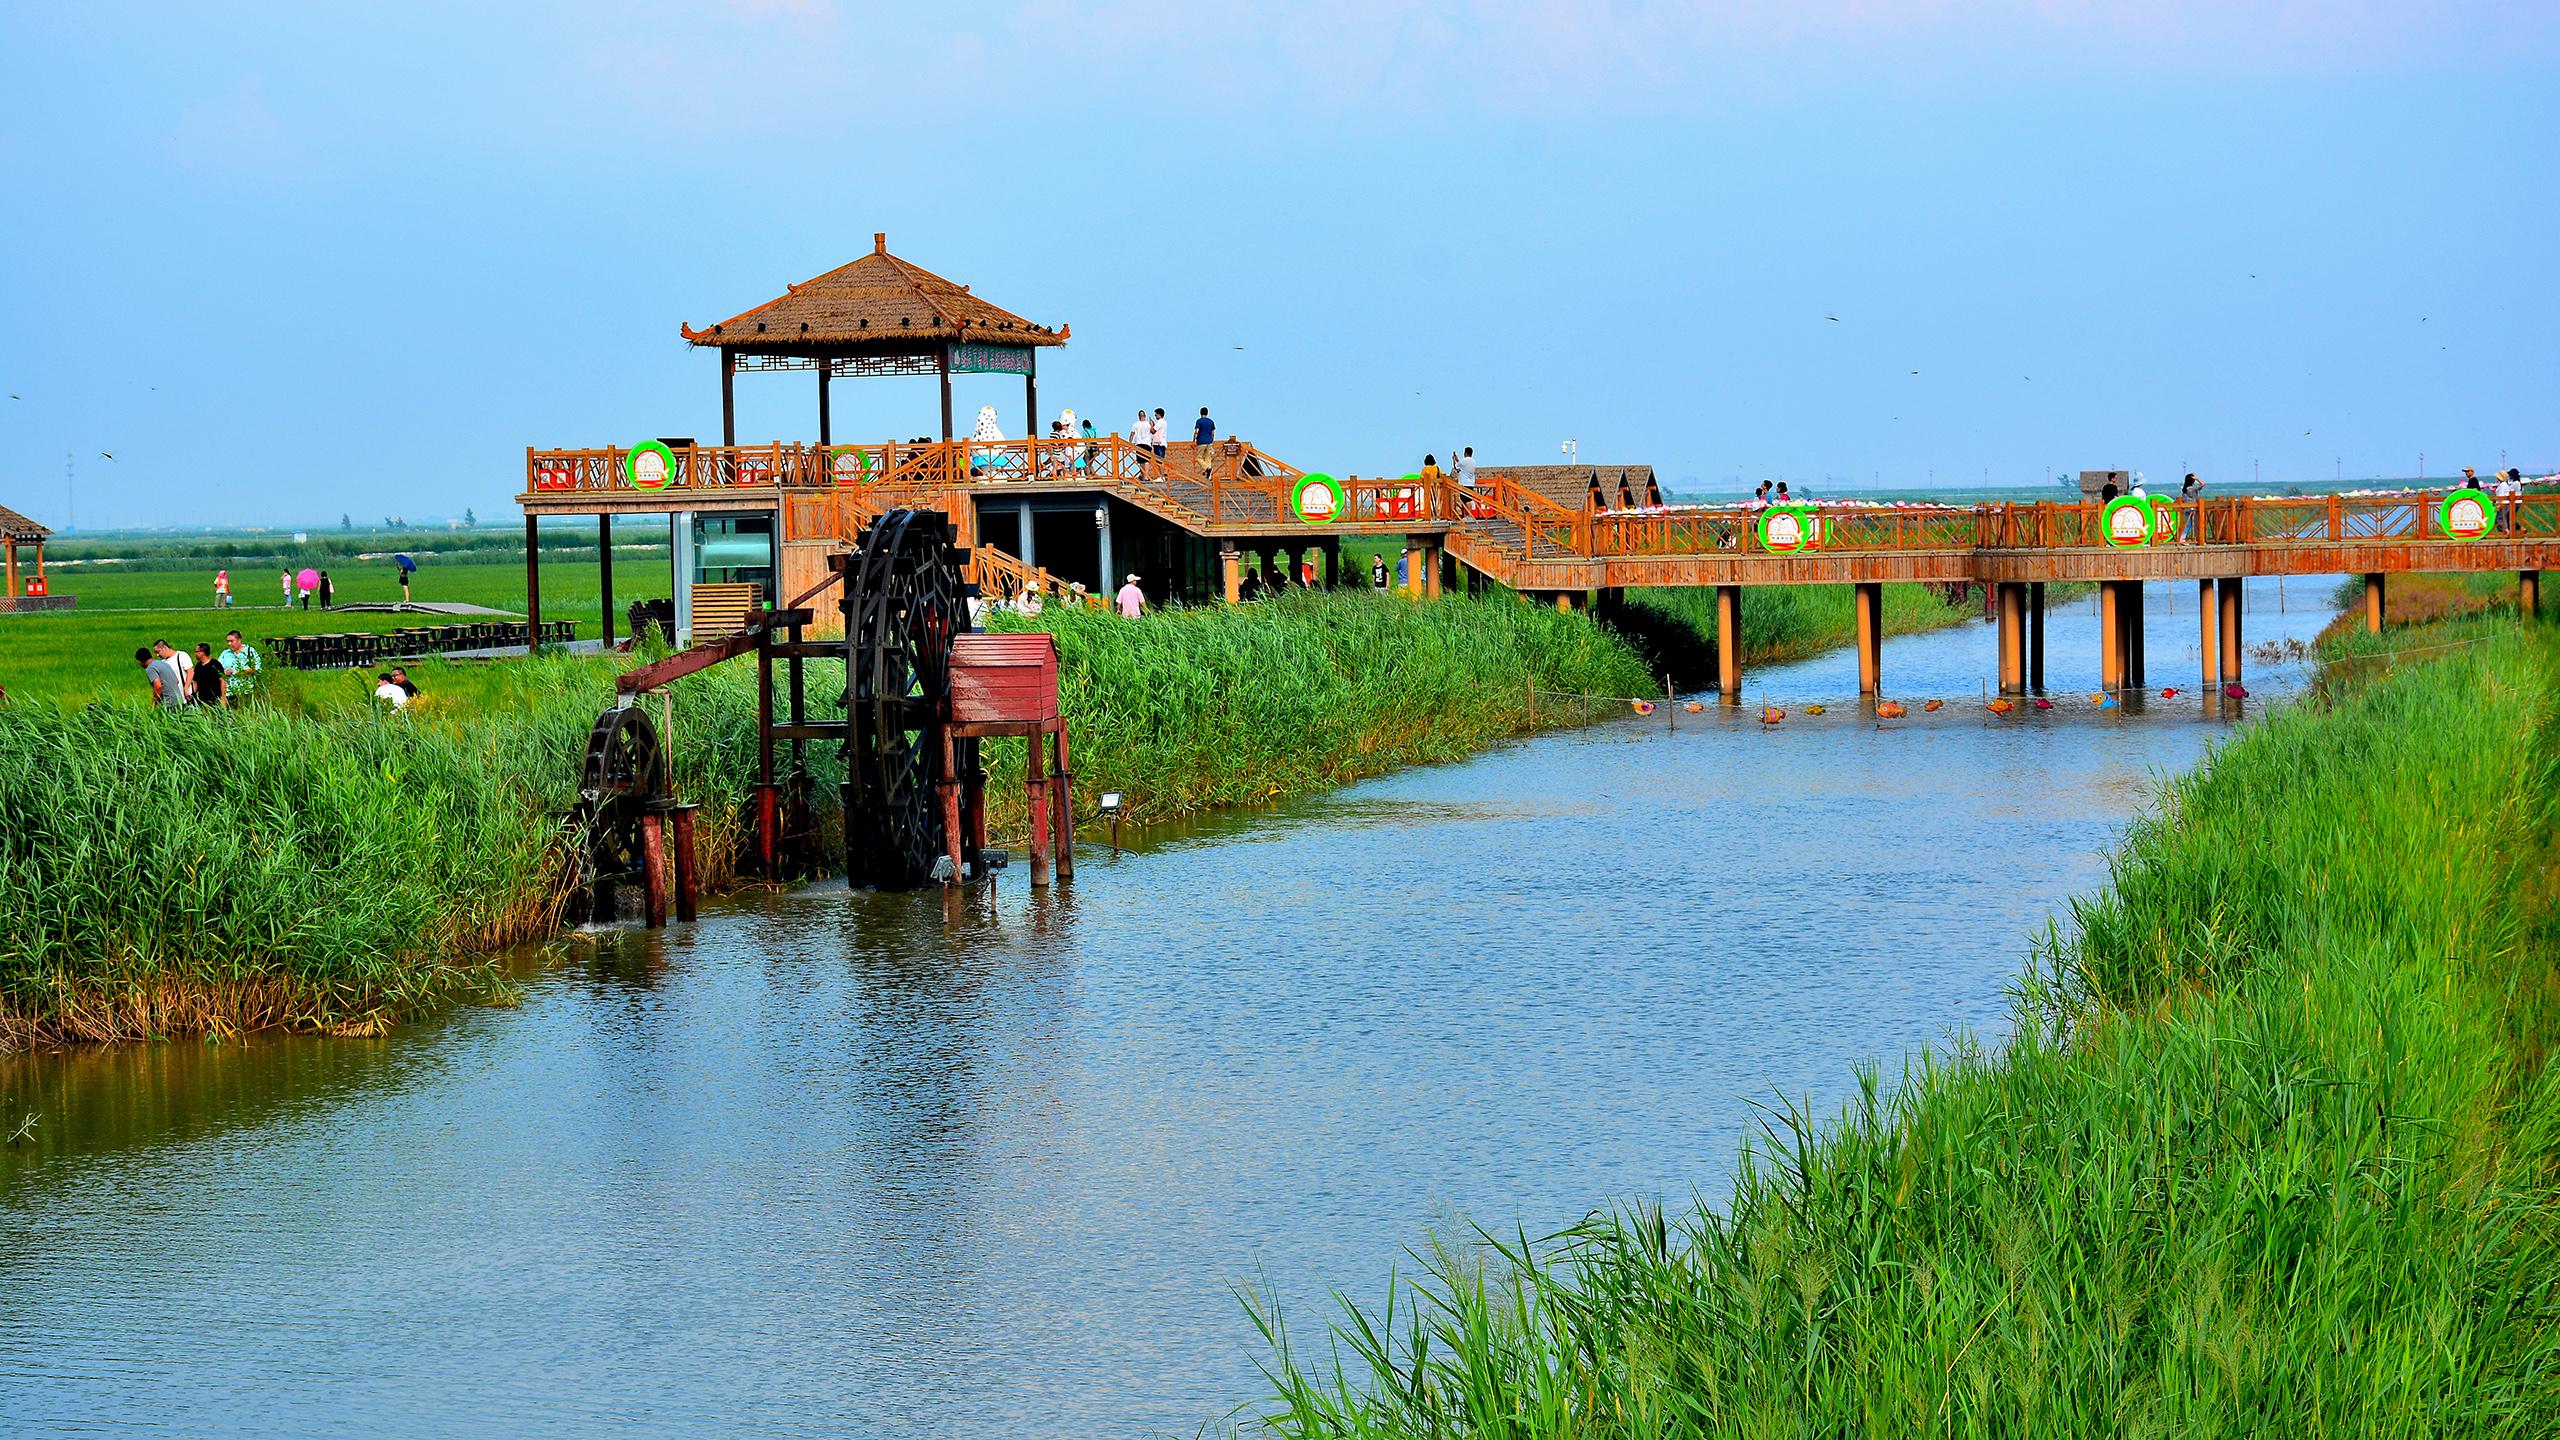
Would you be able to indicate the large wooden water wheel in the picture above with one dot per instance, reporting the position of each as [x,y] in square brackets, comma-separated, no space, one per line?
[624,772]
[905,599]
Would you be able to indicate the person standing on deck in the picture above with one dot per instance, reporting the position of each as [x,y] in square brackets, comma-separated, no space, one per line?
[1467,467]
[1133,601]
[1204,431]
[2510,496]
[1156,435]
[2190,500]
[1086,428]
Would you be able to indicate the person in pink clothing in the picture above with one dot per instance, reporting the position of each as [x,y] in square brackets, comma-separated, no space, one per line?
[1133,601]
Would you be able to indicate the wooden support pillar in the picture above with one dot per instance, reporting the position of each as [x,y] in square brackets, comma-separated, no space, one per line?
[728,396]
[942,366]
[1231,573]
[1031,409]
[2035,637]
[2528,590]
[2130,606]
[826,423]
[2374,602]
[687,888]
[1870,607]
[1064,785]
[2209,633]
[2012,635]
[1564,601]
[1729,644]
[1035,788]
[947,790]
[2110,638]
[532,585]
[768,800]
[653,869]
[604,572]
[2228,593]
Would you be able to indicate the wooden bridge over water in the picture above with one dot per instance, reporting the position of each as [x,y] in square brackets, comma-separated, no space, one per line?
[1198,513]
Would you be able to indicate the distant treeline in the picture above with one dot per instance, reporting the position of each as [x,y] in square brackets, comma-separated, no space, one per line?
[239,548]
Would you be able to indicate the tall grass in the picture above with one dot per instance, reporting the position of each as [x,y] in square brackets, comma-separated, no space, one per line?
[2274,1152]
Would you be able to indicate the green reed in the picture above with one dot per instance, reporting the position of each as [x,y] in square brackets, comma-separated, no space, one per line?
[2273,1152]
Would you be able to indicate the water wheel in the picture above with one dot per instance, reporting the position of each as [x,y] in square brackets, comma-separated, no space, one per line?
[904,600]
[624,770]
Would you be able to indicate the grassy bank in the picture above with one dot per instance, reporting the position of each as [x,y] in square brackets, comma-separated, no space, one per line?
[2274,1151]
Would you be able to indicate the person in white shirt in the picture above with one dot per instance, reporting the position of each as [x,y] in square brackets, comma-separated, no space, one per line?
[389,692]
[1030,601]
[2510,496]
[1467,467]
[1133,601]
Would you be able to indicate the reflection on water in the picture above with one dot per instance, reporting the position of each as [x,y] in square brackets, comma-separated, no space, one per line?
[832,1163]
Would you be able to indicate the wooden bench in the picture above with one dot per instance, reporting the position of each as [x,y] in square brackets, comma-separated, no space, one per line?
[720,610]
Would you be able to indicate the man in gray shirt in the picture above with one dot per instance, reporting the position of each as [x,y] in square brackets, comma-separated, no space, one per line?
[167,691]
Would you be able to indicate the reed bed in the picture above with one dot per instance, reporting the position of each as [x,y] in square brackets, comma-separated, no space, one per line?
[2273,1152]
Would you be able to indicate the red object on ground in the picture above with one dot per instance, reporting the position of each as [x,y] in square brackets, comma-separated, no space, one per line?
[1004,679]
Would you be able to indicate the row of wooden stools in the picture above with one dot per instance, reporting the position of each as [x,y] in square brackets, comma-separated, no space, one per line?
[340,652]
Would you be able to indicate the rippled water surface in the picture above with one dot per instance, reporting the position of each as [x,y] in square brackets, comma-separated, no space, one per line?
[829,1164]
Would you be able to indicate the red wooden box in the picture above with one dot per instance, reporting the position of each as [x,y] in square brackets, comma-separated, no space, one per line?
[1004,679]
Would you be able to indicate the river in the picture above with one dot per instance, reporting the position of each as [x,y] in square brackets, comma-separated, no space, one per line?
[829,1164]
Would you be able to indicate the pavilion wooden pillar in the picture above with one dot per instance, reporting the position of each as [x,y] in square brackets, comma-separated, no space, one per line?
[826,426]
[2035,637]
[2110,638]
[532,585]
[1729,644]
[1230,573]
[10,544]
[2374,602]
[2209,633]
[2228,593]
[942,366]
[728,396]
[1870,606]
[604,571]
[1031,409]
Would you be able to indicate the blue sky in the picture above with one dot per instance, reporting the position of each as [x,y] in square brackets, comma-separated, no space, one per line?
[286,261]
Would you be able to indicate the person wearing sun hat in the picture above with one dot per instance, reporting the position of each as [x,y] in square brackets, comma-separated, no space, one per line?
[1133,601]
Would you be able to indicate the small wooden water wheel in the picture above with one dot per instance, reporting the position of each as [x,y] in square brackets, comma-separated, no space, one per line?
[624,774]
[905,599]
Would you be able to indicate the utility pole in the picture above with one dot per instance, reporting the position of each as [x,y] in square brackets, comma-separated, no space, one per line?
[70,514]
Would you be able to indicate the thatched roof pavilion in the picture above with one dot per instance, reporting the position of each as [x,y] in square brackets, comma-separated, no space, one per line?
[17,530]
[1570,485]
[879,315]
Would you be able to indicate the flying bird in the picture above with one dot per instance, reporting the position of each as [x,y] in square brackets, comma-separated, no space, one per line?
[103,455]
[1829,316]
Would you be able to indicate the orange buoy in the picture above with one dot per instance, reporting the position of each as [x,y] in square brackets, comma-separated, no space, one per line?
[1696,706]
[1644,707]
[1932,705]
[1890,710]
[1813,709]
[1772,716]
[2001,707]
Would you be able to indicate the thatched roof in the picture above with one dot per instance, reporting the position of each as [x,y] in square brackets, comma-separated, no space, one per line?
[14,526]
[877,301]
[1570,485]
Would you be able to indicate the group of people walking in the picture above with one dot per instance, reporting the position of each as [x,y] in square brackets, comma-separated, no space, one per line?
[225,677]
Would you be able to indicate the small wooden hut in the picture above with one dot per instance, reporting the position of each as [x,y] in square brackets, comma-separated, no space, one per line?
[26,591]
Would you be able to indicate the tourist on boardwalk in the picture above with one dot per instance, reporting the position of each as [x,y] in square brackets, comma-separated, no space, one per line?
[2190,501]
[1030,601]
[1430,470]
[2510,495]
[286,579]
[326,590]
[1378,572]
[1133,601]
[1467,467]
[1142,433]
[240,669]
[2106,492]
[1782,497]
[408,567]
[1086,429]
[1759,498]
[162,675]
[221,588]
[1156,435]
[1204,430]
[208,676]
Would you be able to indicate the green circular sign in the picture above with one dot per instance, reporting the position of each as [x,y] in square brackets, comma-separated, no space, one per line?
[2164,520]
[2127,520]
[1318,499]
[2467,514]
[1785,529]
[649,465]
[850,467]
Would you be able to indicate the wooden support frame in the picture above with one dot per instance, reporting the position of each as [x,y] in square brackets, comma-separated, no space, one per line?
[1729,644]
[532,584]
[2227,594]
[1869,601]
[2110,638]
[2208,633]
[2035,637]
[2375,601]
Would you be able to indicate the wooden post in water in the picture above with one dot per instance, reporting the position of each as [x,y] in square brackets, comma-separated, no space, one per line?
[2110,639]
[1729,644]
[687,888]
[947,789]
[653,869]
[1870,605]
[2035,637]
[1064,785]
[1035,790]
[2228,592]
[2374,603]
[2130,606]
[768,804]
[2208,633]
